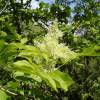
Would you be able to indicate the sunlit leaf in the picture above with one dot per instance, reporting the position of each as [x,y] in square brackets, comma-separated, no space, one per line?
[24,66]
[62,80]
[49,80]
[3,95]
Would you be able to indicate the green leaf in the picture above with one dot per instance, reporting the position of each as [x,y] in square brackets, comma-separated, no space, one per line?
[24,40]
[12,85]
[91,51]
[48,79]
[24,66]
[3,34]
[3,95]
[35,77]
[7,53]
[18,73]
[62,80]
[57,79]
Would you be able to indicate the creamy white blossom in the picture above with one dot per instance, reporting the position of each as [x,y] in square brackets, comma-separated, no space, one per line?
[51,45]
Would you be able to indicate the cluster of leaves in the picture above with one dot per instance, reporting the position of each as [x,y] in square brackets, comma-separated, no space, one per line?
[38,62]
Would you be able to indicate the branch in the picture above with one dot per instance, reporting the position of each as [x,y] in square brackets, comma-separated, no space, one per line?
[7,91]
[4,8]
[16,19]
[43,25]
[12,93]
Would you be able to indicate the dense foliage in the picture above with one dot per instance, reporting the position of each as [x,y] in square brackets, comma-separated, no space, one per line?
[51,52]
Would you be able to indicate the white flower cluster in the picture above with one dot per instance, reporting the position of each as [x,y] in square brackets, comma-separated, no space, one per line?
[51,45]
